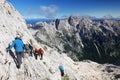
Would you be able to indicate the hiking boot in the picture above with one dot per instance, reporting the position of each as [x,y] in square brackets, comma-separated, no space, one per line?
[40,58]
[18,66]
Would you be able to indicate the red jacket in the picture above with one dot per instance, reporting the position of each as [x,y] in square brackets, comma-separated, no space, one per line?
[35,50]
[41,51]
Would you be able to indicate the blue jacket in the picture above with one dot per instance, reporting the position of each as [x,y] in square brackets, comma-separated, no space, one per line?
[17,44]
[61,68]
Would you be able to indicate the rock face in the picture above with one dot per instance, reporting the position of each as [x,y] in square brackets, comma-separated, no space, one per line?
[83,38]
[2,1]
[11,24]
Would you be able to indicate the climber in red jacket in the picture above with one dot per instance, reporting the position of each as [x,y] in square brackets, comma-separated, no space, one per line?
[41,52]
[38,52]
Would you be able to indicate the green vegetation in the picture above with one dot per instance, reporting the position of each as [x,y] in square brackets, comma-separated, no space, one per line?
[66,77]
[117,23]
[31,42]
[1,53]
[9,12]
[44,63]
[46,79]
[67,48]
[45,48]
[58,34]
[50,70]
[108,47]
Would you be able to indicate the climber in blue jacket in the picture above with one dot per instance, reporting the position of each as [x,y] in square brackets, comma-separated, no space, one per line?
[19,48]
[61,68]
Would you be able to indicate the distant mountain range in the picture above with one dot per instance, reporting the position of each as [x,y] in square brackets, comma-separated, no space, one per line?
[33,21]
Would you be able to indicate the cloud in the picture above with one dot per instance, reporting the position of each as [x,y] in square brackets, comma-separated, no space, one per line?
[48,11]
[108,16]
[83,15]
[42,12]
[30,11]
[76,14]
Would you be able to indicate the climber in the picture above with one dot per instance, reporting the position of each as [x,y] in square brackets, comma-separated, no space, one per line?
[35,53]
[41,52]
[28,49]
[18,46]
[31,49]
[61,68]
[38,52]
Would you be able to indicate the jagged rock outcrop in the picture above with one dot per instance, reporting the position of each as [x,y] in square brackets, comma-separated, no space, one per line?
[71,21]
[57,21]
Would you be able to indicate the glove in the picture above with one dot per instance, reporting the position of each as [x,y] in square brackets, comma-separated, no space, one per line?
[7,50]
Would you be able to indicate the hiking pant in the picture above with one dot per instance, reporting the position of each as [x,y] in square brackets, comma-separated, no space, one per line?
[13,56]
[36,54]
[62,72]
[41,56]
[19,58]
[31,53]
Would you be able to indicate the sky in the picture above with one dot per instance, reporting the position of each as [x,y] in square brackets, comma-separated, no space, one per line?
[63,8]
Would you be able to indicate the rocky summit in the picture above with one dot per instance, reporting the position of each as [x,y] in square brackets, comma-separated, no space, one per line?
[12,24]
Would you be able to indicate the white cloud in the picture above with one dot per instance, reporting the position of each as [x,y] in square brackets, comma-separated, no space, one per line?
[43,8]
[48,11]
[83,15]
[42,12]
[76,14]
[108,16]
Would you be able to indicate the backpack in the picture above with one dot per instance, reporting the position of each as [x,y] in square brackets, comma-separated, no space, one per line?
[41,51]
[30,47]
[26,47]
[61,68]
[35,50]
